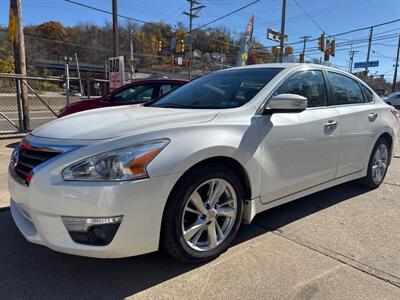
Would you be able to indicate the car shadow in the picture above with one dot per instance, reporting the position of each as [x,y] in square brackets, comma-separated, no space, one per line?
[35,272]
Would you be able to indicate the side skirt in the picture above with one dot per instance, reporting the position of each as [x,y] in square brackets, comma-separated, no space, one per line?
[254,206]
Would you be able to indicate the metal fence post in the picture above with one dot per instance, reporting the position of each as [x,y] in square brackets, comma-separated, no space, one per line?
[88,86]
[67,80]
[19,105]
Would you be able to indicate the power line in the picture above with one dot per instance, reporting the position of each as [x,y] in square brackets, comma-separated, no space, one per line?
[226,15]
[309,16]
[108,12]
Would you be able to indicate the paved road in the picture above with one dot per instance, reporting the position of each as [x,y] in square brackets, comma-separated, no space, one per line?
[342,243]
[37,118]
[39,114]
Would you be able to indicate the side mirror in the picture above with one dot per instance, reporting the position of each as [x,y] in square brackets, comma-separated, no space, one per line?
[286,103]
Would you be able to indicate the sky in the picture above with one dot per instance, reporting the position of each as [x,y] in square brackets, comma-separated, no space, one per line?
[304,17]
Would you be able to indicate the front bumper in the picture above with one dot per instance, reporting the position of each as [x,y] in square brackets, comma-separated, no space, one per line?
[37,210]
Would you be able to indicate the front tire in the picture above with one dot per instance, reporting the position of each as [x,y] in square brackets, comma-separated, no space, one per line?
[378,164]
[203,214]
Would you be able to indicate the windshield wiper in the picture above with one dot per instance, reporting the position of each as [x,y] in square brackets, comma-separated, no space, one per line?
[174,105]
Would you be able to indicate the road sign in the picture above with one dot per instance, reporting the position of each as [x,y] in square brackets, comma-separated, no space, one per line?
[363,64]
[116,73]
[274,35]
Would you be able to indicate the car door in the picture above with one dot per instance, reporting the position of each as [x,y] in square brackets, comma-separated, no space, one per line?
[358,121]
[299,150]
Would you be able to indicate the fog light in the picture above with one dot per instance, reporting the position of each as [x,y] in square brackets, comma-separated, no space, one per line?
[92,231]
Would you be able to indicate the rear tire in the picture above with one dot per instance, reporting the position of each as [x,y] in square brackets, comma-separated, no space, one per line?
[196,227]
[378,164]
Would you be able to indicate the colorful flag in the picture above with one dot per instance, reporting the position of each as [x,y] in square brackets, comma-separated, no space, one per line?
[246,45]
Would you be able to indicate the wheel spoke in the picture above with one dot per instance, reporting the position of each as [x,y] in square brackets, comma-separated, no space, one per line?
[191,232]
[216,193]
[226,212]
[198,235]
[187,208]
[195,198]
[219,231]
[212,235]
[225,203]
[377,155]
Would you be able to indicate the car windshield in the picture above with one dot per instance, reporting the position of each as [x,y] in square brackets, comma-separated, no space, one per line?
[226,89]
[393,95]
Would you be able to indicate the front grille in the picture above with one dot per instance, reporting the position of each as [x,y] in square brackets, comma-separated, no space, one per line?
[26,158]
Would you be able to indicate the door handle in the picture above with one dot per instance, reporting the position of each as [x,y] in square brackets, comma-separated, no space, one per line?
[331,124]
[372,116]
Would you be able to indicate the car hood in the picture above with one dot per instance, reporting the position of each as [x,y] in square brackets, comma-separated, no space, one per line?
[117,121]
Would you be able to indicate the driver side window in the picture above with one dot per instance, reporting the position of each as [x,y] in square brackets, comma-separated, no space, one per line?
[134,94]
[309,84]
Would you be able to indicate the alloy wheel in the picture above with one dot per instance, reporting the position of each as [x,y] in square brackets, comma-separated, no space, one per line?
[209,214]
[379,163]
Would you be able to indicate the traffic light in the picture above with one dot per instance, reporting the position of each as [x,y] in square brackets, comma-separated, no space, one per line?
[332,47]
[160,46]
[180,46]
[275,50]
[321,42]
[288,51]
[326,55]
[301,57]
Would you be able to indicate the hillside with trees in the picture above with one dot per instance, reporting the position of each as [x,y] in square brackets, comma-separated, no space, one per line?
[51,41]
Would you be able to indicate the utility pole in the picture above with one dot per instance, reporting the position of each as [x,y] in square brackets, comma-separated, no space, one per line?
[369,47]
[351,54]
[396,67]
[305,40]
[192,13]
[18,41]
[115,26]
[283,21]
[132,68]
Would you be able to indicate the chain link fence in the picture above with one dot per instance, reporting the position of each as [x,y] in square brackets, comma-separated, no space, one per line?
[45,98]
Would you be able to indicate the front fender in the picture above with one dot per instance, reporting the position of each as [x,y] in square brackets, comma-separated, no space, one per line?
[236,142]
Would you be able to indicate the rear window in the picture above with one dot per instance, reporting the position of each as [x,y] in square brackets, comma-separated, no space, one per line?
[367,94]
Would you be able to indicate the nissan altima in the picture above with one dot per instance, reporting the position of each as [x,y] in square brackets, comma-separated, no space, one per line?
[185,171]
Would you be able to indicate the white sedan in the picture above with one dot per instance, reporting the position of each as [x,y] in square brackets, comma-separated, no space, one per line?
[184,171]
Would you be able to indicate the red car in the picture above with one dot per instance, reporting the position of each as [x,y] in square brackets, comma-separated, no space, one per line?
[137,92]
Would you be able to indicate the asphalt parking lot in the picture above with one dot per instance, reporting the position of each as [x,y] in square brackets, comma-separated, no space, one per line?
[342,243]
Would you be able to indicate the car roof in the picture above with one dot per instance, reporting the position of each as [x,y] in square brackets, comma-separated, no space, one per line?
[159,80]
[286,66]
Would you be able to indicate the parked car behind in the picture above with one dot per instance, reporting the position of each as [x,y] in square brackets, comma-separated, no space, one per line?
[184,171]
[133,93]
[393,99]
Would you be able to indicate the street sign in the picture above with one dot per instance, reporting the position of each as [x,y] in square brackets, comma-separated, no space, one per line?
[363,64]
[274,35]
[116,73]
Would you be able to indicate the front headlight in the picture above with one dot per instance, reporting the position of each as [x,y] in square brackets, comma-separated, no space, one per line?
[127,163]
